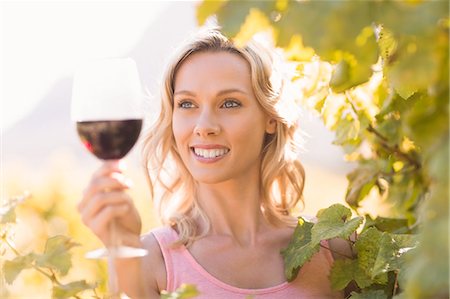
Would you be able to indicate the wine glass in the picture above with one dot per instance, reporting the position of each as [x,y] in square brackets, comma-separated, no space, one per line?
[106,106]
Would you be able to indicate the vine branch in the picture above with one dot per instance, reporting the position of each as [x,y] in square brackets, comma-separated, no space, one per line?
[394,149]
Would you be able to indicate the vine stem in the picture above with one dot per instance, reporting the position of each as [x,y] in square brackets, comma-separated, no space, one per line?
[394,291]
[395,149]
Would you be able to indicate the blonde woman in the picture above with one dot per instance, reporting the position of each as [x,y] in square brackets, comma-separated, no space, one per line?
[222,165]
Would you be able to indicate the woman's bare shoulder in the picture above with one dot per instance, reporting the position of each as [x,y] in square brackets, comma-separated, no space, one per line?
[155,260]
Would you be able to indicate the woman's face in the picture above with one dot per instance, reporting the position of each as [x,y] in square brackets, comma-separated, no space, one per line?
[217,123]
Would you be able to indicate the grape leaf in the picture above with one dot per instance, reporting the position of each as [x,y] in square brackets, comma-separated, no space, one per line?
[233,14]
[368,247]
[390,225]
[56,254]
[299,250]
[13,268]
[361,181]
[185,291]
[392,248]
[71,289]
[345,271]
[334,222]
[386,43]
[347,129]
[370,294]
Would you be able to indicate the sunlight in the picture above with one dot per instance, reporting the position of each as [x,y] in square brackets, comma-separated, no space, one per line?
[45,41]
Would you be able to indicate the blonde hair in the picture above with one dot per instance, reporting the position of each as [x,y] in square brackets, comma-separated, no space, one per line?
[282,174]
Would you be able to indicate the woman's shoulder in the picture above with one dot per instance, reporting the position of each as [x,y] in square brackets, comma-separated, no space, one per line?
[155,258]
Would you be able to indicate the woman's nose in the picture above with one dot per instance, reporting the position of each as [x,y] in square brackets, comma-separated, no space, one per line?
[206,124]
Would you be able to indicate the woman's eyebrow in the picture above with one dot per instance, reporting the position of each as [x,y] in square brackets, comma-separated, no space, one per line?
[185,92]
[231,90]
[220,93]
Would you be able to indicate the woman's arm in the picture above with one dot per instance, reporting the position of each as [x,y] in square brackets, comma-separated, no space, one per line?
[142,277]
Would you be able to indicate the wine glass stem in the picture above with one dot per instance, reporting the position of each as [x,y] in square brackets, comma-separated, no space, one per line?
[113,283]
[112,255]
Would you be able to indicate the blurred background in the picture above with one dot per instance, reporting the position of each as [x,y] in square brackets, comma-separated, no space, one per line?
[42,43]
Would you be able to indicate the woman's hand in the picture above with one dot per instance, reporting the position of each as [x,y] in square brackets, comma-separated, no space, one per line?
[105,200]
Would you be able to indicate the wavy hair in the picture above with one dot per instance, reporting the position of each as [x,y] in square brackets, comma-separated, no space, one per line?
[282,175]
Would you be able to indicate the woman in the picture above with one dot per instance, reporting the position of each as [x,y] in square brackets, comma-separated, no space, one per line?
[222,165]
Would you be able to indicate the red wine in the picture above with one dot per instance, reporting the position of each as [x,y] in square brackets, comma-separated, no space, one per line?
[109,139]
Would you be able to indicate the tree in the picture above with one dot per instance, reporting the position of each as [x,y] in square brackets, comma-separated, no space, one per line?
[377,73]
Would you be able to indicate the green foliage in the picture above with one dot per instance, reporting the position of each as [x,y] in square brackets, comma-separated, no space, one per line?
[185,291]
[56,255]
[300,249]
[13,267]
[334,222]
[346,271]
[379,80]
[54,262]
[370,294]
[70,290]
[380,254]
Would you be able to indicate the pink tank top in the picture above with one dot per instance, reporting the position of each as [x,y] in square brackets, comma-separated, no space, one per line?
[181,267]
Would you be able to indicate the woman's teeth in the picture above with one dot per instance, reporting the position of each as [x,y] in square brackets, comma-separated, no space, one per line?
[210,153]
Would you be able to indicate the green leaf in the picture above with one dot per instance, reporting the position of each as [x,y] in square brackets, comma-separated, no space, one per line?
[341,74]
[370,294]
[208,8]
[334,222]
[368,247]
[392,249]
[300,249]
[386,43]
[345,271]
[390,225]
[233,14]
[71,289]
[57,254]
[347,128]
[406,190]
[429,114]
[185,291]
[361,181]
[13,268]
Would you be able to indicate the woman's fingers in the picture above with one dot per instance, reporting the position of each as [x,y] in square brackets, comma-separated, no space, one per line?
[101,200]
[105,200]
[100,224]
[104,184]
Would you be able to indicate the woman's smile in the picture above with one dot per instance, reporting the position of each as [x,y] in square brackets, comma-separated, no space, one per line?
[209,152]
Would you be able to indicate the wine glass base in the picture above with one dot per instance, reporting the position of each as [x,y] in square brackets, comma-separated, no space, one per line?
[116,252]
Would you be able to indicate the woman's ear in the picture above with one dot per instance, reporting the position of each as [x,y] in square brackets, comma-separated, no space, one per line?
[271,126]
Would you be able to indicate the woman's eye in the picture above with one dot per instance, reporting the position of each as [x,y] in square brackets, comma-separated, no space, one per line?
[231,104]
[185,105]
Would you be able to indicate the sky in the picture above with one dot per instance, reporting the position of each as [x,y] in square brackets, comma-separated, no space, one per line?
[42,41]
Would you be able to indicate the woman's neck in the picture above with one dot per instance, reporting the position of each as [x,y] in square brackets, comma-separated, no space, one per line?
[234,209]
